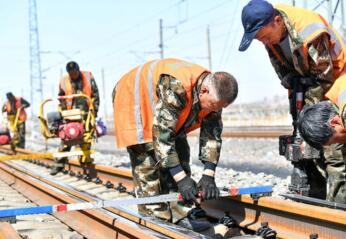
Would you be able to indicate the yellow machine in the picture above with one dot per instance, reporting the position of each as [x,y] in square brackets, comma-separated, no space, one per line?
[73,127]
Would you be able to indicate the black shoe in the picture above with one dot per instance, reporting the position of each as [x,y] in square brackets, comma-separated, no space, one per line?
[195,220]
[55,170]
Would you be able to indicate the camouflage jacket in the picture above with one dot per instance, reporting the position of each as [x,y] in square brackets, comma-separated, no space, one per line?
[172,99]
[319,70]
[79,102]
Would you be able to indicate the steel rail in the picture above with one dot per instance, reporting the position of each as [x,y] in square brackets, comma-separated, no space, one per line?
[105,173]
[246,131]
[289,219]
[7,231]
[103,225]
[165,229]
[252,132]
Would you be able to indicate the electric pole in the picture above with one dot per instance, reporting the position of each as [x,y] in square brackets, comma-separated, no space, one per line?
[161,39]
[35,58]
[209,48]
[61,73]
[104,94]
[305,4]
[343,27]
[330,11]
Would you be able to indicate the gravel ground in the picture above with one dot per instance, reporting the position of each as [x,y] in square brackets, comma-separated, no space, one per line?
[243,161]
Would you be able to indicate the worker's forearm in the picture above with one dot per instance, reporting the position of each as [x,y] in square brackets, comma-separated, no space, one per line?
[316,94]
[24,103]
[210,138]
[164,144]
[320,60]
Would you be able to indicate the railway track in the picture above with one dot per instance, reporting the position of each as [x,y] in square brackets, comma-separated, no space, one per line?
[247,131]
[288,219]
[34,226]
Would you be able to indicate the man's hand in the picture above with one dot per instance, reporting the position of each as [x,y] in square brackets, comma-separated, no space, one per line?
[187,188]
[208,187]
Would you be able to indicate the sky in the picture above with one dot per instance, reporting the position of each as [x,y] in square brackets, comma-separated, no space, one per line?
[115,36]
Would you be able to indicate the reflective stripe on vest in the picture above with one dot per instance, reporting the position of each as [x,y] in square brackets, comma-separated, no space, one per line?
[342,97]
[337,93]
[308,30]
[137,109]
[150,84]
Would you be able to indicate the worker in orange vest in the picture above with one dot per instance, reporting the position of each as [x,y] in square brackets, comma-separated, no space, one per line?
[324,123]
[304,50]
[11,107]
[76,82]
[155,105]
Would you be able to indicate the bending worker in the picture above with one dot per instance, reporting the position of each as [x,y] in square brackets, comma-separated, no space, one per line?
[76,82]
[155,106]
[304,49]
[11,107]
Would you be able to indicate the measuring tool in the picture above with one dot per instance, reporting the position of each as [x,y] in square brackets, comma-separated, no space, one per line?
[12,212]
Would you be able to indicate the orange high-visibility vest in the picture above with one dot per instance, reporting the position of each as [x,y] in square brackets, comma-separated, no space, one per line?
[22,114]
[309,26]
[337,94]
[135,99]
[66,86]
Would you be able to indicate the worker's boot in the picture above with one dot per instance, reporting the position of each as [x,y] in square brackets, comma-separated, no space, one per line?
[224,229]
[88,166]
[55,170]
[58,166]
[195,220]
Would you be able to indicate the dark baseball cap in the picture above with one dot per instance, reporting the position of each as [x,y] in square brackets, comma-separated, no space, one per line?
[255,15]
[9,95]
[72,65]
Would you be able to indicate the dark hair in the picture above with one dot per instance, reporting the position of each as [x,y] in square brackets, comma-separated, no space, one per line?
[9,95]
[313,123]
[226,86]
[275,13]
[72,65]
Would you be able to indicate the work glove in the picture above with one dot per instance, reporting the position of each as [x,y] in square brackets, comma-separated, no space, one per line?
[208,187]
[187,188]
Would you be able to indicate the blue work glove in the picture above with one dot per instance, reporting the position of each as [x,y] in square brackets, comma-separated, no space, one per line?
[208,187]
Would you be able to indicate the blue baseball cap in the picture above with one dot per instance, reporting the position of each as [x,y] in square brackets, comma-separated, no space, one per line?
[255,15]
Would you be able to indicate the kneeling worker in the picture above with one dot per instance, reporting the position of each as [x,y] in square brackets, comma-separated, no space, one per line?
[324,124]
[155,106]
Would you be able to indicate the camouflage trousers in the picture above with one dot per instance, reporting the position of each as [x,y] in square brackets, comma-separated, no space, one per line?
[151,179]
[60,162]
[327,175]
[21,135]
[335,160]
